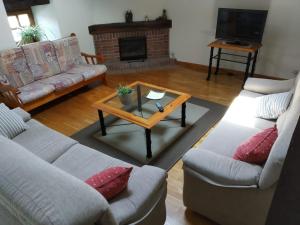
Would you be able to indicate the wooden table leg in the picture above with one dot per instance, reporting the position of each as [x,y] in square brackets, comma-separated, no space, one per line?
[148,143]
[218,61]
[210,62]
[254,63]
[248,66]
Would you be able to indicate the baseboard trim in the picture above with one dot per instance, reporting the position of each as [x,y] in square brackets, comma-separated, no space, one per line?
[204,68]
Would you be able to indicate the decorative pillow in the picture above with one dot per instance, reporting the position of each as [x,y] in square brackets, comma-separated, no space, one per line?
[41,59]
[11,124]
[111,181]
[257,148]
[272,106]
[14,66]
[68,53]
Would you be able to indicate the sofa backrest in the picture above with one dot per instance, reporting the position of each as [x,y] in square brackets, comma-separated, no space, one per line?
[286,125]
[68,52]
[41,59]
[14,69]
[36,192]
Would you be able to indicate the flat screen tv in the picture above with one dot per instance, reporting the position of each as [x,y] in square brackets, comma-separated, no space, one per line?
[240,26]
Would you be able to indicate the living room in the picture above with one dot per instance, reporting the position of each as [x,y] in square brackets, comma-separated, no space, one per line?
[149,112]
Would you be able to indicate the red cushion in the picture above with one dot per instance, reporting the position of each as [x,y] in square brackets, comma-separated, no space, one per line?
[257,148]
[111,181]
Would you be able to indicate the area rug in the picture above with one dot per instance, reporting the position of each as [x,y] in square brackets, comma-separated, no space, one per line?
[169,140]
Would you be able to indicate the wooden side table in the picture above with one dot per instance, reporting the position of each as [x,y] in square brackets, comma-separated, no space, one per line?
[252,51]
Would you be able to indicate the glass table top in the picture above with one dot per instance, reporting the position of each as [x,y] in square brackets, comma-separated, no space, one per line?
[139,104]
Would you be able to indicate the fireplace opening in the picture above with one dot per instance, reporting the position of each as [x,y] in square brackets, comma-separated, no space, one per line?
[133,48]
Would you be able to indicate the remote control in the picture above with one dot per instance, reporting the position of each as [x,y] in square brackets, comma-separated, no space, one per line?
[159,106]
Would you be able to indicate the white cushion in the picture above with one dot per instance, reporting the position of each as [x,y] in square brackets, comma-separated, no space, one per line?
[267,86]
[272,106]
[11,124]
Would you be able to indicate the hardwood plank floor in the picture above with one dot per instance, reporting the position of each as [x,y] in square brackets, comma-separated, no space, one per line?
[73,113]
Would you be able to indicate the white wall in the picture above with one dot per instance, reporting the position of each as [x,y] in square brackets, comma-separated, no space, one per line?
[281,51]
[110,11]
[75,16]
[46,17]
[194,25]
[60,18]
[6,38]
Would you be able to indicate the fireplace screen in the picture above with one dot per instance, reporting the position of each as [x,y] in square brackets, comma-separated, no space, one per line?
[133,48]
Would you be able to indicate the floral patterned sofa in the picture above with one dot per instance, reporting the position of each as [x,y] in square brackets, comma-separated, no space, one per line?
[37,73]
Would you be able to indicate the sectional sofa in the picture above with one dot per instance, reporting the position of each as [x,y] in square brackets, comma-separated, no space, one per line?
[42,176]
[233,192]
[37,73]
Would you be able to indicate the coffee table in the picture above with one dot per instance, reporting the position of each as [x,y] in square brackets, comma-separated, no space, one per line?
[135,113]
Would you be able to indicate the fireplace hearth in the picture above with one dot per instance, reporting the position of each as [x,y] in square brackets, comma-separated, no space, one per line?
[133,48]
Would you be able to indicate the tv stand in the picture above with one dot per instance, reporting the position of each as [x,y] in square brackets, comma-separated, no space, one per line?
[237,42]
[251,48]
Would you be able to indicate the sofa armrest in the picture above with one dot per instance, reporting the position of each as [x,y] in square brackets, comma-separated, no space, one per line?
[22,113]
[221,170]
[268,86]
[93,59]
[9,96]
[41,193]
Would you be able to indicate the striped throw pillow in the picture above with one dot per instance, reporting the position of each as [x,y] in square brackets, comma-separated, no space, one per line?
[272,106]
[11,124]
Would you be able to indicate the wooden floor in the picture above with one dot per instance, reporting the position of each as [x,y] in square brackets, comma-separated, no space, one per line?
[74,113]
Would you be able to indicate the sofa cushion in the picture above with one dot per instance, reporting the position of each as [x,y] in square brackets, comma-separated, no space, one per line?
[145,187]
[39,193]
[83,162]
[43,141]
[7,217]
[110,182]
[257,148]
[225,138]
[272,106]
[11,124]
[14,66]
[242,112]
[221,170]
[22,113]
[88,71]
[34,91]
[268,86]
[41,59]
[68,53]
[62,81]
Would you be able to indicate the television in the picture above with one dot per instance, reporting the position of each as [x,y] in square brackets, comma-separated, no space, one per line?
[240,26]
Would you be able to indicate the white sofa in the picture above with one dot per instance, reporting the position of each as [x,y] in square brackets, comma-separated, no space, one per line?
[229,191]
[42,174]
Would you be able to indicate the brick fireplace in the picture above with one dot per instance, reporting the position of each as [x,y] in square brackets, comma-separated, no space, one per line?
[107,39]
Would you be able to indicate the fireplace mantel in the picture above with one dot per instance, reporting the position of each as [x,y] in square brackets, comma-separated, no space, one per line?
[134,26]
